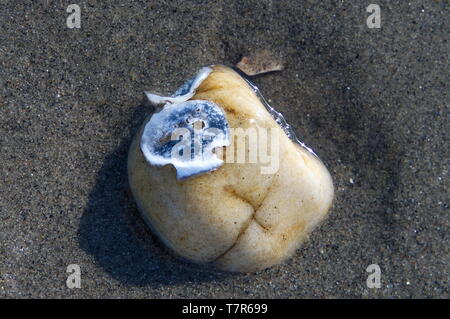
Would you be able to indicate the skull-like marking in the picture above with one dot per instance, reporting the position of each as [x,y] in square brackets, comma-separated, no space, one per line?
[184,135]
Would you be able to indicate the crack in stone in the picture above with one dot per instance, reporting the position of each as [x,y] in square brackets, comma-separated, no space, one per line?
[241,232]
[266,229]
[244,228]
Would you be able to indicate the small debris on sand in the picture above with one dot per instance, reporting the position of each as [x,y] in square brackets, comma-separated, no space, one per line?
[260,62]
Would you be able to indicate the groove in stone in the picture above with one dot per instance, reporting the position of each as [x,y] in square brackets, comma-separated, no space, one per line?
[229,189]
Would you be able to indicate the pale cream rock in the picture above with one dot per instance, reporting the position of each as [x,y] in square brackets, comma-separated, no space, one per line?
[234,217]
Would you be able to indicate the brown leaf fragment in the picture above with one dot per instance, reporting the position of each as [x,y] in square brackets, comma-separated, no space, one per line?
[260,62]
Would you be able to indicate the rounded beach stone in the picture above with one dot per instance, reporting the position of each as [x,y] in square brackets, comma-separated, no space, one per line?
[235,217]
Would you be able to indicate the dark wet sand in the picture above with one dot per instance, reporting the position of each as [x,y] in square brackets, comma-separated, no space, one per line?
[373,103]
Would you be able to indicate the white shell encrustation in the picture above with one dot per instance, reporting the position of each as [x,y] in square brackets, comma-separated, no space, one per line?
[185,132]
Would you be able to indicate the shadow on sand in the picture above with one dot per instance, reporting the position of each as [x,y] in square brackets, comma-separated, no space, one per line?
[112,231]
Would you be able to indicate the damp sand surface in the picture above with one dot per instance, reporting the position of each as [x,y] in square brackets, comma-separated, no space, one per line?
[372,103]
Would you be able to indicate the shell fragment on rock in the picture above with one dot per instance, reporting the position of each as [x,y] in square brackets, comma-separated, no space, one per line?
[184,93]
[185,135]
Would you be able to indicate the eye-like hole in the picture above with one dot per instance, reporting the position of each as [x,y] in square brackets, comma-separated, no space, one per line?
[198,125]
[164,139]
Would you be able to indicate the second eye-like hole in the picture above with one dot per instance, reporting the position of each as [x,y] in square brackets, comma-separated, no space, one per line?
[198,125]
